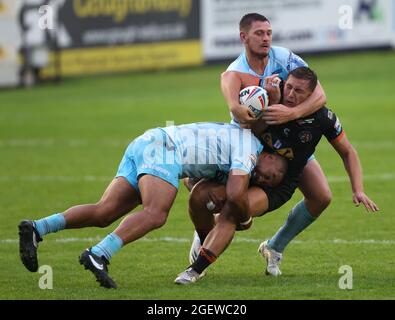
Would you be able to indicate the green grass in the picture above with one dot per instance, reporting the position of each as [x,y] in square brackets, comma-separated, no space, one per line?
[53,138]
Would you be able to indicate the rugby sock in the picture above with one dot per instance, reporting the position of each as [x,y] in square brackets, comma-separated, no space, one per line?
[205,258]
[108,246]
[298,219]
[202,237]
[50,224]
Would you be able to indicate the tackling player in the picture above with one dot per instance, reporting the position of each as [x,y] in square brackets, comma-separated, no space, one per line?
[148,174]
[262,60]
[296,140]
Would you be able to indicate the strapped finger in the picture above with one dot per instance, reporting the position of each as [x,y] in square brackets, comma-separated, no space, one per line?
[272,122]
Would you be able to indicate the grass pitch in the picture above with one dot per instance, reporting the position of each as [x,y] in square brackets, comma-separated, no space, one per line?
[60,145]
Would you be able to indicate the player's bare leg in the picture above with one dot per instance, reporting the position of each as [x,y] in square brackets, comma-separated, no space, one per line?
[118,199]
[157,198]
[206,199]
[314,186]
[201,211]
[317,197]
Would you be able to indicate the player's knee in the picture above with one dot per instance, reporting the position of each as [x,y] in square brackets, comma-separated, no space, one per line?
[320,201]
[157,218]
[198,198]
[326,198]
[103,221]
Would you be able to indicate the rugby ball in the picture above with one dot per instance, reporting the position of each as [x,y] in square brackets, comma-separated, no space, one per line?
[255,98]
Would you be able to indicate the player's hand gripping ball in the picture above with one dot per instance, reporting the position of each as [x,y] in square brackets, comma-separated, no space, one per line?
[255,98]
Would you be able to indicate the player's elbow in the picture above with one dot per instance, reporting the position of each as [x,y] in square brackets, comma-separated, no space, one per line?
[228,78]
[224,75]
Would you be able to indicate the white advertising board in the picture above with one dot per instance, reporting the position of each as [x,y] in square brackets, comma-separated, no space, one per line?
[10,42]
[301,25]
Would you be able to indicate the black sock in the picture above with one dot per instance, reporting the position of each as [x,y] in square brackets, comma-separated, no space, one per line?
[205,258]
[202,237]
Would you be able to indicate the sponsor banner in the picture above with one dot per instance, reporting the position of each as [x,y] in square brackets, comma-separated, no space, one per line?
[393,23]
[104,36]
[10,42]
[126,58]
[96,23]
[10,32]
[308,25]
[9,65]
[9,8]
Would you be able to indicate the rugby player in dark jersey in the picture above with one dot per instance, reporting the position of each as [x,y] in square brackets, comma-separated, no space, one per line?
[295,140]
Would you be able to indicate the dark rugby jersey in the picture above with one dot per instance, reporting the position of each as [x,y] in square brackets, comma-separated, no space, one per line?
[296,141]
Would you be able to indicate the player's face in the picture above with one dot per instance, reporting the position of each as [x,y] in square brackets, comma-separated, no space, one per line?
[295,91]
[258,39]
[269,171]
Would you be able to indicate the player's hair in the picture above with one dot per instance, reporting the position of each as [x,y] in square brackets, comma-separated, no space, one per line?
[305,73]
[249,18]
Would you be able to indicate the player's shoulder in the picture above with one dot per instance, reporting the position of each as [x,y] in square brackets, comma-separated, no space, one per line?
[286,58]
[280,52]
[325,115]
[240,64]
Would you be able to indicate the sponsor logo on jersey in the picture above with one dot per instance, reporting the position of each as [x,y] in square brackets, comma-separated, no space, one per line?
[305,121]
[295,61]
[305,136]
[286,153]
[287,131]
[338,126]
[277,144]
[267,138]
[155,168]
[330,114]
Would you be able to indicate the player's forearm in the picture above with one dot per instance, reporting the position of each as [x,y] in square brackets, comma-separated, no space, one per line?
[313,103]
[236,205]
[354,170]
[236,209]
[230,87]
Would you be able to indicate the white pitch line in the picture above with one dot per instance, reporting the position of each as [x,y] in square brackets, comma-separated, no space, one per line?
[237,240]
[42,143]
[366,177]
[38,178]
[55,178]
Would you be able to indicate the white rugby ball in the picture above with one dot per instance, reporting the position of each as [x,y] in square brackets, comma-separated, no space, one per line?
[255,98]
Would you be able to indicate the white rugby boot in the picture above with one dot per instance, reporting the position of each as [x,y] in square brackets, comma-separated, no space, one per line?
[272,257]
[187,277]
